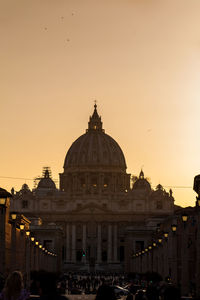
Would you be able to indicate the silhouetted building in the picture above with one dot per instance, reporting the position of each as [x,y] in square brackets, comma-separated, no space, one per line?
[104,219]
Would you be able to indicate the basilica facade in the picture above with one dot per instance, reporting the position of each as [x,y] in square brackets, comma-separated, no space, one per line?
[103,217]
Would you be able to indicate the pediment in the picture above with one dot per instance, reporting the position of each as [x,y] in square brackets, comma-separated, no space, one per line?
[91,208]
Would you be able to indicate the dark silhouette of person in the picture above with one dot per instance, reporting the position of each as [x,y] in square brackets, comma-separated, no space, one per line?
[140,295]
[2,281]
[14,288]
[105,292]
[171,292]
[48,288]
[152,293]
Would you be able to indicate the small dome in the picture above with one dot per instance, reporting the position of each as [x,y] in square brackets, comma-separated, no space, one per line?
[141,183]
[25,189]
[159,187]
[160,191]
[46,182]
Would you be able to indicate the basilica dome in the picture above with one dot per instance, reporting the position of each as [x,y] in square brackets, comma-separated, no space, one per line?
[95,163]
[95,149]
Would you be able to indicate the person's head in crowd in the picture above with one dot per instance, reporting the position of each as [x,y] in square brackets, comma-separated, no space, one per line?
[105,292]
[13,286]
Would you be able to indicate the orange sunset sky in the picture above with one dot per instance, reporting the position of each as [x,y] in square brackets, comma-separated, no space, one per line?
[140,59]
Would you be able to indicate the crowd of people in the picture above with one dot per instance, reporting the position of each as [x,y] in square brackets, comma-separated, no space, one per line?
[50,286]
[90,282]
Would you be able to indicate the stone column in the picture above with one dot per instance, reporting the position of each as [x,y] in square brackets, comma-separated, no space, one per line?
[13,246]
[28,267]
[87,181]
[198,255]
[184,261]
[99,243]
[115,243]
[101,182]
[73,243]
[155,260]
[36,258]
[2,239]
[174,265]
[84,243]
[32,255]
[113,183]
[166,257]
[109,243]
[160,260]
[67,243]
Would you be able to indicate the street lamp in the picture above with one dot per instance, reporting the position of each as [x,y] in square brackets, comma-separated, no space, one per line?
[27,233]
[173,228]
[3,201]
[13,216]
[4,196]
[184,218]
[166,235]
[21,226]
[32,239]
[159,240]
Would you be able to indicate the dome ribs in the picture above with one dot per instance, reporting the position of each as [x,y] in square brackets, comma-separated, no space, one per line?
[94,163]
